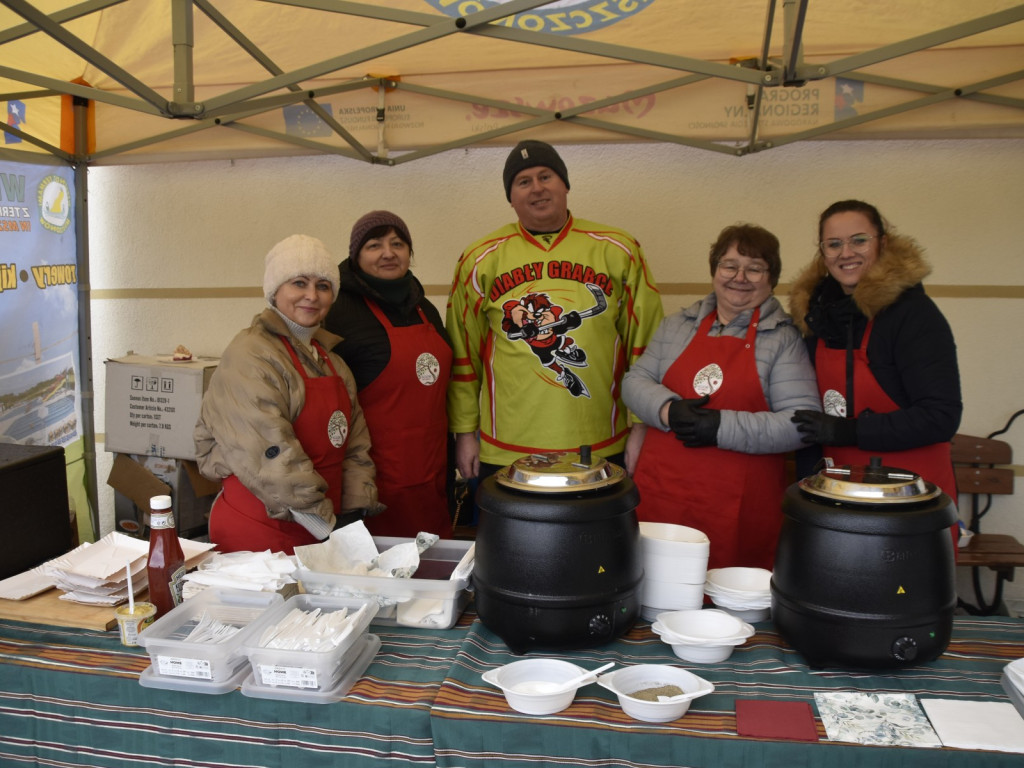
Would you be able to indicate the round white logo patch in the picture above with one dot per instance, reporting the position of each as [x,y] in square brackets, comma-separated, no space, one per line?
[834,404]
[337,429]
[428,369]
[708,380]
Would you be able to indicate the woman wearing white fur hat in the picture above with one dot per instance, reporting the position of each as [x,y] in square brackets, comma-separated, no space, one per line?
[280,423]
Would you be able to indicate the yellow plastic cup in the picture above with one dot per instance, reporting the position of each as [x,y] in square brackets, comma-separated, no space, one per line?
[131,623]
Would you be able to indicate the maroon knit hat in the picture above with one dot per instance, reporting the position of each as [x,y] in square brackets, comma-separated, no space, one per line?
[370,221]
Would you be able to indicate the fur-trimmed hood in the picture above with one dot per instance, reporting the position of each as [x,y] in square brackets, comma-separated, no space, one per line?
[900,266]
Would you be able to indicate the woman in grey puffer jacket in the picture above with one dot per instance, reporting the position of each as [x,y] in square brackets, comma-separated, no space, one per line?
[717,387]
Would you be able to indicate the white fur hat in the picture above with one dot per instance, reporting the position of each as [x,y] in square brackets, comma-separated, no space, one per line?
[294,256]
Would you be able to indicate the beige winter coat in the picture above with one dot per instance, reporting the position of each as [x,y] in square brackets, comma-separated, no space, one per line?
[245,424]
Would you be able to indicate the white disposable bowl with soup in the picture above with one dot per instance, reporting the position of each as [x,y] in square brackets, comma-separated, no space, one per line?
[655,693]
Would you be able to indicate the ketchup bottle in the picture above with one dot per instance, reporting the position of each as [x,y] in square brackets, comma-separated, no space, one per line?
[166,565]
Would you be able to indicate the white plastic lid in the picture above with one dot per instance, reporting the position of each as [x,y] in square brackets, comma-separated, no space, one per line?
[160,502]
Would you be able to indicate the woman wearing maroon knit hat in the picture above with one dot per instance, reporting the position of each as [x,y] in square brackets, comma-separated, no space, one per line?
[394,341]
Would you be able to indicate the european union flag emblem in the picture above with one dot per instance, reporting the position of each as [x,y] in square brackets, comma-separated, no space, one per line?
[849,93]
[300,120]
[15,117]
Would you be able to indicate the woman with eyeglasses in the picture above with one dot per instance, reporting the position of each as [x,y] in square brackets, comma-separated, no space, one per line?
[884,354]
[717,387]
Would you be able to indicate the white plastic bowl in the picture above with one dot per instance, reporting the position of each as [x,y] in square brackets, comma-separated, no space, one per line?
[518,682]
[671,596]
[748,615]
[702,654]
[626,681]
[702,626]
[674,553]
[740,580]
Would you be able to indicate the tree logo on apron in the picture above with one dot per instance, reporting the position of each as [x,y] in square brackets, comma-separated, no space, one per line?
[428,369]
[708,380]
[834,404]
[337,429]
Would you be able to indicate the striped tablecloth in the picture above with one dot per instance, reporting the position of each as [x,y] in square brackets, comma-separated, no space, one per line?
[473,725]
[71,697]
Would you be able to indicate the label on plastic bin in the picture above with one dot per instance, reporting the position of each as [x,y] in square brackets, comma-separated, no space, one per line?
[175,666]
[295,677]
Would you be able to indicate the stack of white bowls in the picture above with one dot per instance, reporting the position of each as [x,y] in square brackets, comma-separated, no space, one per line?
[702,636]
[675,560]
[744,592]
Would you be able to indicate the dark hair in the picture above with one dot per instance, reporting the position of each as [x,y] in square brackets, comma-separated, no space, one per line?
[382,231]
[857,206]
[751,241]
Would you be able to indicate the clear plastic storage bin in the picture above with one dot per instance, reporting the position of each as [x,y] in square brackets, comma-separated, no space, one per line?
[309,671]
[180,663]
[432,598]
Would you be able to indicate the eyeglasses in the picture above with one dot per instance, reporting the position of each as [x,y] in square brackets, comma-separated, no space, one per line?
[752,272]
[859,244]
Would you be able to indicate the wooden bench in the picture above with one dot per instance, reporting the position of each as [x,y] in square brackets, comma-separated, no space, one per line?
[976,463]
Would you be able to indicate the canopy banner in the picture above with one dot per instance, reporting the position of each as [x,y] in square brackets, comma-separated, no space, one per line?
[40,394]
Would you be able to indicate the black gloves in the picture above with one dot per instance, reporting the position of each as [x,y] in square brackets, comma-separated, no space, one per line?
[822,429]
[694,425]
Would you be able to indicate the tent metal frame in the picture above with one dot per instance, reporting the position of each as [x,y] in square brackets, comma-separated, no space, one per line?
[282,88]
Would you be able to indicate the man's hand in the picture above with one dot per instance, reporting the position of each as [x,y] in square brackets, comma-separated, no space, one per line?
[821,429]
[467,454]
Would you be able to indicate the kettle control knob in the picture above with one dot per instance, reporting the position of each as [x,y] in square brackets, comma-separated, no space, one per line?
[600,625]
[905,648]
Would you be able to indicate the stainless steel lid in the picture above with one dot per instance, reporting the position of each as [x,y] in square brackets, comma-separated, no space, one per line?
[560,472]
[872,483]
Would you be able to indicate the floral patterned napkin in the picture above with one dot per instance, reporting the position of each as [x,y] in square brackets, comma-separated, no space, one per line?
[892,719]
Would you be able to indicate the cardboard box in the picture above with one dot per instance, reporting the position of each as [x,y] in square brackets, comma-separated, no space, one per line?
[153,404]
[136,479]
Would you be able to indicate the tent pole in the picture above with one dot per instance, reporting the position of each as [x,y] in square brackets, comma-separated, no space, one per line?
[80,110]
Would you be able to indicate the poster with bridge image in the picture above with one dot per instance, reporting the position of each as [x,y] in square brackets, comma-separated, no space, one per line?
[40,385]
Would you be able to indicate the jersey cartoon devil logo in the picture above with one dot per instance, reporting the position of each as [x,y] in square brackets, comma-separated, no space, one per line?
[544,327]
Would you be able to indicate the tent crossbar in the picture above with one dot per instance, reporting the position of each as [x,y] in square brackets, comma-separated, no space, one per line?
[299,141]
[636,93]
[866,117]
[183,43]
[76,89]
[86,52]
[193,127]
[915,44]
[443,27]
[60,17]
[755,93]
[635,55]
[267,63]
[973,92]
[27,137]
[254,106]
[794,16]
[476,138]
[27,95]
[467,98]
[669,138]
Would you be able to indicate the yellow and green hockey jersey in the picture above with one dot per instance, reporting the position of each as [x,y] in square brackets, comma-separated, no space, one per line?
[543,329]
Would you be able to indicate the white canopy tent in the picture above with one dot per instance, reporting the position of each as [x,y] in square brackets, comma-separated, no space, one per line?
[139,81]
[395,80]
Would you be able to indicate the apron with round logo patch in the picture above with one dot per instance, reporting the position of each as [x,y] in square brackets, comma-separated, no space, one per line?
[239,520]
[734,498]
[405,411]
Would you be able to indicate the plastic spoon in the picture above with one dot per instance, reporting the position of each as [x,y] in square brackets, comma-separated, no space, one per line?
[543,686]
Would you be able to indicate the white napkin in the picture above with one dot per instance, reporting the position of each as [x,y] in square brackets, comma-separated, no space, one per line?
[976,724]
[352,551]
[254,571]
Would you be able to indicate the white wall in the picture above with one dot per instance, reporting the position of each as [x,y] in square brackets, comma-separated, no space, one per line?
[207,225]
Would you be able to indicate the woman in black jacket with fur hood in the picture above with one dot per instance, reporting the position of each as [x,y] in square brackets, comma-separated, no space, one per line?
[883,352]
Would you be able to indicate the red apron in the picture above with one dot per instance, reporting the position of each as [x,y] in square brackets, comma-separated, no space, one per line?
[239,520]
[735,498]
[932,462]
[405,411]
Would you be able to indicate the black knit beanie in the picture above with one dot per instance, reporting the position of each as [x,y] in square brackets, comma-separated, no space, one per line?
[530,154]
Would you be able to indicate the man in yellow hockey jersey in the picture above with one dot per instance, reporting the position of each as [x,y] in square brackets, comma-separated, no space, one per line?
[546,314]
